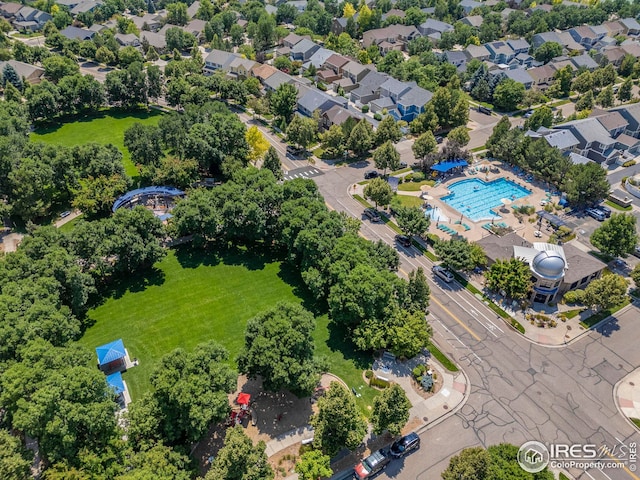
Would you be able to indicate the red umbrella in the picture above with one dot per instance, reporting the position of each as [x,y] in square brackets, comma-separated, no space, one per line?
[244,399]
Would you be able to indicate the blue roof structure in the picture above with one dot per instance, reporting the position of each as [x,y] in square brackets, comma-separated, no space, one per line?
[115,382]
[154,190]
[449,165]
[110,352]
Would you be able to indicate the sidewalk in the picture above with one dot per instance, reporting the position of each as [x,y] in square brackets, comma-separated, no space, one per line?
[626,394]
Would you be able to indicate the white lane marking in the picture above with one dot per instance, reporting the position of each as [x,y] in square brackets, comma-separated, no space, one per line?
[446,329]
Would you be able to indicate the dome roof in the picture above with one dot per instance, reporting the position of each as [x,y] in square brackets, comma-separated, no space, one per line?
[548,264]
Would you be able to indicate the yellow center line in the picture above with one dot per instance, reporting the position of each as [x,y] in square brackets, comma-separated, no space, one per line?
[617,460]
[462,324]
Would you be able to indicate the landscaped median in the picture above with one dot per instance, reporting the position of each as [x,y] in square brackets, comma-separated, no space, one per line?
[601,315]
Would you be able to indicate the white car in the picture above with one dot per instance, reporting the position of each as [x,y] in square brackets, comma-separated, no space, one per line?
[442,273]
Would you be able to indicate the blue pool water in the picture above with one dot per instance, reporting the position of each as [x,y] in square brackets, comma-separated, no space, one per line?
[477,199]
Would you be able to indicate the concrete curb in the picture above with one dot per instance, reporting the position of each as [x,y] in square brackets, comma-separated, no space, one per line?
[615,398]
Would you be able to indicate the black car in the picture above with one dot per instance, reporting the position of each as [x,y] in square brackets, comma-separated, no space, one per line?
[370,174]
[439,139]
[405,445]
[294,150]
[403,240]
[605,210]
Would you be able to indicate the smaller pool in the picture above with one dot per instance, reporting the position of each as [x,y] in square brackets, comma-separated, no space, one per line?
[436,215]
[477,199]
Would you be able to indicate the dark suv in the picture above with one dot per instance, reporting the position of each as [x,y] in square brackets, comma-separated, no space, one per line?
[370,466]
[405,445]
[403,240]
[370,174]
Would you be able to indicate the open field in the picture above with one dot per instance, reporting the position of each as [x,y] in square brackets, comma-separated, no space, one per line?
[192,297]
[102,127]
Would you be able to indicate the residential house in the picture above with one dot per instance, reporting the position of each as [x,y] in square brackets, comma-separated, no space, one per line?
[218,60]
[356,71]
[327,76]
[457,58]
[192,10]
[86,6]
[434,29]
[540,8]
[148,22]
[394,89]
[479,52]
[595,142]
[500,52]
[474,21]
[339,25]
[127,40]
[563,38]
[586,35]
[27,72]
[30,19]
[368,88]
[563,61]
[394,12]
[393,37]
[563,140]
[262,71]
[504,14]
[542,76]
[271,9]
[69,4]
[630,26]
[155,40]
[614,28]
[318,59]
[196,28]
[300,5]
[291,39]
[606,41]
[584,61]
[524,60]
[9,10]
[613,122]
[97,27]
[314,99]
[631,48]
[382,104]
[240,68]
[540,38]
[336,63]
[519,45]
[631,114]
[519,75]
[337,115]
[272,83]
[469,5]
[303,50]
[613,55]
[412,103]
[346,84]
[75,33]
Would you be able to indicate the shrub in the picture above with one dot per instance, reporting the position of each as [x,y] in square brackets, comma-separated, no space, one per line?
[629,163]
[418,177]
[408,177]
[365,108]
[377,116]
[418,371]
[432,238]
[322,86]
[378,382]
[574,296]
[368,374]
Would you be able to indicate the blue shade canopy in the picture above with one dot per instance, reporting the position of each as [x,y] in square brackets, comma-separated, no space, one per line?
[551,218]
[449,165]
[115,382]
[111,351]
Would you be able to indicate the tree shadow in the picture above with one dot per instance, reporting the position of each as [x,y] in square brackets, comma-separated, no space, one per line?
[607,328]
[251,257]
[190,256]
[290,274]
[118,285]
[340,341]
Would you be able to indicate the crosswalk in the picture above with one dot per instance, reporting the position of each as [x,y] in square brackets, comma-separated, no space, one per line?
[303,172]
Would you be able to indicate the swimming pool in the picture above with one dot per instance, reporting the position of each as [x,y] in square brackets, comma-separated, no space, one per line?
[476,199]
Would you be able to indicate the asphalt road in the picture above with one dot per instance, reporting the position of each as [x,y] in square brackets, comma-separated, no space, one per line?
[520,391]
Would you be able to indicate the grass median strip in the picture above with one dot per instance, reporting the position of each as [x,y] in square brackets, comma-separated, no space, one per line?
[441,357]
[598,317]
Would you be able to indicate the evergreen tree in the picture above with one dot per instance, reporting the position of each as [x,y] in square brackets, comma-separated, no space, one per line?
[272,162]
[9,75]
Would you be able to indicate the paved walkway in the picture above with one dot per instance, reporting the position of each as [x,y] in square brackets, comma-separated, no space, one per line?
[626,394]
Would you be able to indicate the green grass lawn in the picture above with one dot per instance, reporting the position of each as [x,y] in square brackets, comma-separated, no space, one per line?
[415,186]
[103,127]
[193,297]
[410,200]
[617,207]
[67,227]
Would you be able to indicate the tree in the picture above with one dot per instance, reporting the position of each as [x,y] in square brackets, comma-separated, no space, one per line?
[583,82]
[333,141]
[105,56]
[470,464]
[240,459]
[56,67]
[279,348]
[265,32]
[283,102]
[585,102]
[586,184]
[424,145]
[97,195]
[272,162]
[237,34]
[361,138]
[563,81]
[390,411]
[302,131]
[617,235]
[338,423]
[624,92]
[258,145]
[635,275]
[191,391]
[388,131]
[542,117]
[606,292]
[14,460]
[411,220]
[386,156]
[460,135]
[499,132]
[10,76]
[547,51]
[508,94]
[511,276]
[379,191]
[418,291]
[144,143]
[158,462]
[348,11]
[177,13]
[313,465]
[457,254]
[605,98]
[12,94]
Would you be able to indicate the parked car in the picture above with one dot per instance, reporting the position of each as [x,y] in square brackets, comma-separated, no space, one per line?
[636,251]
[597,214]
[442,273]
[528,114]
[370,174]
[403,240]
[65,214]
[372,215]
[485,110]
[294,150]
[605,210]
[373,464]
[405,445]
[439,139]
[403,164]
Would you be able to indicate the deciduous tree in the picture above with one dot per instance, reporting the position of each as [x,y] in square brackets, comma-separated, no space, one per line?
[459,135]
[388,131]
[386,156]
[606,292]
[258,145]
[508,94]
[283,102]
[411,220]
[379,191]
[511,276]
[301,131]
[361,138]
[272,162]
[617,235]
[240,459]
[390,410]
[313,465]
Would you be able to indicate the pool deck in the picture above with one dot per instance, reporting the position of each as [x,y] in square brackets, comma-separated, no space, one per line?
[495,170]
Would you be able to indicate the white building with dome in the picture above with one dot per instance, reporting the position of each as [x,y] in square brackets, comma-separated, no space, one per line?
[555,269]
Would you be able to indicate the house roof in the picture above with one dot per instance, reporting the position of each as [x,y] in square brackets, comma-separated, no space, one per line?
[500,48]
[292,38]
[456,56]
[590,130]
[110,351]
[156,40]
[318,57]
[314,99]
[501,247]
[416,95]
[244,62]
[25,70]
[519,75]
[613,53]
[437,25]
[219,57]
[84,7]
[115,382]
[337,115]
[627,140]
[125,38]
[383,102]
[632,48]
[395,87]
[519,44]
[77,33]
[561,139]
[192,10]
[580,264]
[263,71]
[630,23]
[473,20]
[632,110]
[578,159]
[612,121]
[354,68]
[394,12]
[277,79]
[10,8]
[195,25]
[542,72]
[477,51]
[337,60]
[584,60]
[613,27]
[304,46]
